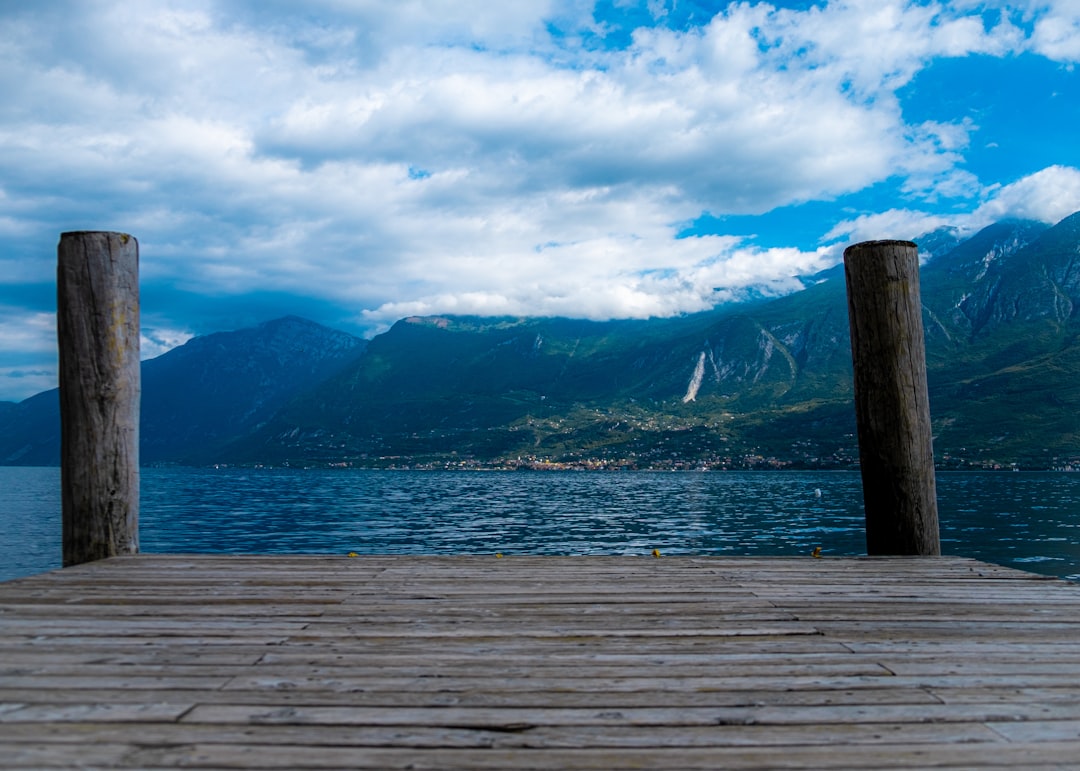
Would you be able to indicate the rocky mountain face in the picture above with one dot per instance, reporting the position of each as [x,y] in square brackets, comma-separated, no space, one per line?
[202,394]
[1002,344]
[761,384]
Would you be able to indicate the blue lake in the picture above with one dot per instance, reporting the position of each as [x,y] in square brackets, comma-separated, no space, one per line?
[1025,520]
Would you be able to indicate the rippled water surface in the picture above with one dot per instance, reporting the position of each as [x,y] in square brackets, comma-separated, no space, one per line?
[1026,520]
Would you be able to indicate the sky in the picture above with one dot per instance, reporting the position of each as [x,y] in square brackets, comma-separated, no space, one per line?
[359,161]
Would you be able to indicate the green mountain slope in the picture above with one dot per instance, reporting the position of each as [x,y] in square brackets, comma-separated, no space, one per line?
[762,384]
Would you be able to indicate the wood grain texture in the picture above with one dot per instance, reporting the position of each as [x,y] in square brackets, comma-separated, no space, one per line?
[97,280]
[892,406]
[155,661]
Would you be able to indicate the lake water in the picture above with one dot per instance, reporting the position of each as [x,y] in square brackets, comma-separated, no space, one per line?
[1025,520]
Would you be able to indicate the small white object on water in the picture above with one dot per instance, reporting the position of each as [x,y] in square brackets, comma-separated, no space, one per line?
[817,492]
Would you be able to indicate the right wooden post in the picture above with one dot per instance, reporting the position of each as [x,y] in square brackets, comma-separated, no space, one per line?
[892,405]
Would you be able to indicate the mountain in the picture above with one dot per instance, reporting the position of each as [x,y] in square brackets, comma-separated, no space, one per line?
[715,386]
[751,385]
[761,384]
[30,432]
[217,387]
[939,242]
[202,394]
[1002,344]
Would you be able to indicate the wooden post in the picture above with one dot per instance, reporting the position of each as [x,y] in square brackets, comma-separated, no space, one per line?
[97,324]
[892,407]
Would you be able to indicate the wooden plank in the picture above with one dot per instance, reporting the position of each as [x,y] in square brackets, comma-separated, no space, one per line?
[590,698]
[1049,755]
[477,671]
[95,712]
[510,718]
[118,679]
[438,737]
[1031,731]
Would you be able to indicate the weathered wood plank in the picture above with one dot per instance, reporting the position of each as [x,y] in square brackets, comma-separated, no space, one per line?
[479,673]
[510,718]
[1050,755]
[561,736]
[591,698]
[116,713]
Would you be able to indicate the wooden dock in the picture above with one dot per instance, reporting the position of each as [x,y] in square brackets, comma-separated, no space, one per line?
[539,663]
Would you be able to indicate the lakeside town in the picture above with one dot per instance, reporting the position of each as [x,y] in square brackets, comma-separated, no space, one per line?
[841,460]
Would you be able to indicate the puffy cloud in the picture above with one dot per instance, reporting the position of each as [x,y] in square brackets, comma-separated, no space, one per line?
[595,280]
[902,224]
[27,353]
[18,383]
[1049,195]
[1057,31]
[22,332]
[156,341]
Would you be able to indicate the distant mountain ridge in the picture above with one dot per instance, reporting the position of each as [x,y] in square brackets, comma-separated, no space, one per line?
[759,384]
[202,394]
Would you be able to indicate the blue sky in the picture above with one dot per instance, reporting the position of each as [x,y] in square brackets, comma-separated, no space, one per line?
[356,162]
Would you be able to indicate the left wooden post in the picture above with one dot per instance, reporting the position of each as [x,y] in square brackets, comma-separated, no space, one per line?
[97,324]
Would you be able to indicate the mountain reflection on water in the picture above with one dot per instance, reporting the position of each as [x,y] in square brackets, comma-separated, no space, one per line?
[1025,520]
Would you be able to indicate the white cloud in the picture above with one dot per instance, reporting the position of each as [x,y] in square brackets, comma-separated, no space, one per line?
[20,331]
[1049,195]
[18,383]
[27,353]
[901,224]
[1057,32]
[155,341]
[596,280]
